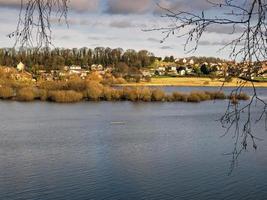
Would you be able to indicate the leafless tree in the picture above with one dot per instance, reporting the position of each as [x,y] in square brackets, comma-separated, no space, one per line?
[247,19]
[34,24]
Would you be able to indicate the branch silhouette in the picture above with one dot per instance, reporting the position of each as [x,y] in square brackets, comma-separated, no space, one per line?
[34,23]
[247,20]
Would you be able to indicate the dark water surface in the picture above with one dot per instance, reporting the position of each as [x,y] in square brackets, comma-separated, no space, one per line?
[124,150]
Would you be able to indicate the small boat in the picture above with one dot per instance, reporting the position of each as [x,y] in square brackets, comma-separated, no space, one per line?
[117,123]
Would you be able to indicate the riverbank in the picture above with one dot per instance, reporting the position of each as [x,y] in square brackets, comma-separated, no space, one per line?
[95,89]
[194,82]
[92,91]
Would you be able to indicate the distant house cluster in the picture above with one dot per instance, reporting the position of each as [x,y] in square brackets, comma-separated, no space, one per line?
[184,67]
[67,71]
[181,67]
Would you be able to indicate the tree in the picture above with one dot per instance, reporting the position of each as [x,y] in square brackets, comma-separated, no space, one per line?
[247,20]
[172,59]
[205,69]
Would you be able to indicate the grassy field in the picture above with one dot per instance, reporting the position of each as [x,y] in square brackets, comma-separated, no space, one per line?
[194,81]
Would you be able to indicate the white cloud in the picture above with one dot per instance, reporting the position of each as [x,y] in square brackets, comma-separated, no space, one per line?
[77,5]
[128,6]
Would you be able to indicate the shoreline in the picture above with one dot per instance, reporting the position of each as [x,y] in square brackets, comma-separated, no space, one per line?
[193,82]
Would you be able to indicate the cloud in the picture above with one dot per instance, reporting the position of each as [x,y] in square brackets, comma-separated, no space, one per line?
[10,3]
[128,6]
[102,38]
[216,43]
[84,5]
[224,29]
[166,47]
[181,5]
[125,24]
[77,5]
[121,24]
[153,40]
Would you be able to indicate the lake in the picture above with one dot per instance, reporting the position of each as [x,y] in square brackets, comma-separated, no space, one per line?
[124,150]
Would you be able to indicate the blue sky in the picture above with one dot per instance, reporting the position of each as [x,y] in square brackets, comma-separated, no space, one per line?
[119,23]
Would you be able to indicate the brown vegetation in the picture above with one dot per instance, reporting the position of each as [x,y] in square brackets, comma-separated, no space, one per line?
[6,92]
[236,97]
[25,94]
[158,95]
[95,88]
[68,96]
[41,94]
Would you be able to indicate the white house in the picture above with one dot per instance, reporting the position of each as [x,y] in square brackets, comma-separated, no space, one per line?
[95,67]
[160,71]
[181,71]
[20,67]
[191,62]
[75,67]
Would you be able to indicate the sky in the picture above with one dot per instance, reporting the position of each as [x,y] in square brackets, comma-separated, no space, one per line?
[120,23]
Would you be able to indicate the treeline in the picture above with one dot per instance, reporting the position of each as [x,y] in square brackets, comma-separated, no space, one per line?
[57,58]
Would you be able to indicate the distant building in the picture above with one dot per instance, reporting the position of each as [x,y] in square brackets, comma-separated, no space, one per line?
[191,62]
[171,68]
[160,71]
[146,73]
[96,67]
[181,71]
[20,67]
[75,67]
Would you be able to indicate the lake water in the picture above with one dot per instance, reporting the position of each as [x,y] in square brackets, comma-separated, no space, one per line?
[157,151]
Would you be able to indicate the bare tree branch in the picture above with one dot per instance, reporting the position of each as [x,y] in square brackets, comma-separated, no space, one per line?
[34,24]
[249,46]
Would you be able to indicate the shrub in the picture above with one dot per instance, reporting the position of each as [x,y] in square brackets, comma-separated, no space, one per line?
[234,100]
[94,90]
[41,94]
[202,95]
[131,94]
[169,98]
[158,95]
[6,92]
[120,80]
[117,94]
[25,94]
[243,96]
[220,95]
[177,96]
[185,98]
[193,98]
[125,92]
[110,94]
[67,96]
[107,93]
[240,96]
[216,95]
[76,85]
[94,76]
[108,81]
[145,94]
[53,85]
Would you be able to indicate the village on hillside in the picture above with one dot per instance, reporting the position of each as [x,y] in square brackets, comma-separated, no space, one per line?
[179,68]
